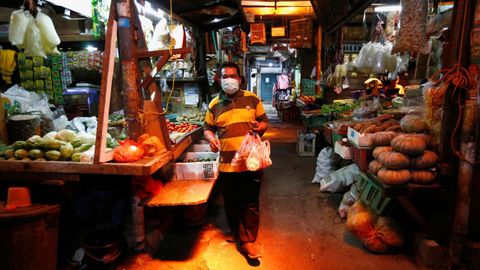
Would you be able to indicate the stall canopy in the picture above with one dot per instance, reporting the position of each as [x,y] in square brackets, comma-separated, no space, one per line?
[215,14]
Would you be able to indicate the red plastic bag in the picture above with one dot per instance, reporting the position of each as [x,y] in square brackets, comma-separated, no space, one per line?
[128,151]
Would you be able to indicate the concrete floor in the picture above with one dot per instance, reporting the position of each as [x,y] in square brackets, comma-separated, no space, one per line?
[300,227]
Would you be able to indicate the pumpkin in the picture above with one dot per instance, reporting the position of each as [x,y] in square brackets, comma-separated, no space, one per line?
[383,138]
[409,144]
[422,176]
[394,160]
[413,124]
[374,166]
[427,159]
[380,149]
[393,177]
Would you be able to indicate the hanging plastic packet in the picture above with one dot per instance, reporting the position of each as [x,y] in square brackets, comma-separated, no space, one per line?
[19,20]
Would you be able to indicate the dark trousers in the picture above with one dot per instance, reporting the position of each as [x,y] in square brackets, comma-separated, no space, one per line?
[241,192]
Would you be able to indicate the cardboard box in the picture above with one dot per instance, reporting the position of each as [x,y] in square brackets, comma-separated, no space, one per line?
[359,139]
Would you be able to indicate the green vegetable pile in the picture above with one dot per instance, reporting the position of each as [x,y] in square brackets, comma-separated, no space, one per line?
[200,159]
[337,108]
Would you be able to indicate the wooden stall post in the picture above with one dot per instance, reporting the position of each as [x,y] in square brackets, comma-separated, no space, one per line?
[133,100]
[106,88]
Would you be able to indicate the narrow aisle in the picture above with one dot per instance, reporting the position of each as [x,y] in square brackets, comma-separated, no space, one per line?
[300,228]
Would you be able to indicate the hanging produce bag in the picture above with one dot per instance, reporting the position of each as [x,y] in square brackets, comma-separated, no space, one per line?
[413,27]
[127,152]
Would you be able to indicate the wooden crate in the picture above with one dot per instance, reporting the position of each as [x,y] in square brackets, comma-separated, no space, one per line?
[301,33]
[258,34]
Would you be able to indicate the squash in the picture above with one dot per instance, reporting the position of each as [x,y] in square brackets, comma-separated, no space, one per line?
[422,176]
[380,149]
[393,177]
[427,159]
[413,124]
[374,166]
[396,128]
[411,145]
[394,160]
[383,138]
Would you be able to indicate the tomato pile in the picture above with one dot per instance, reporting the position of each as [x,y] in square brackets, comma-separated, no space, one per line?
[180,127]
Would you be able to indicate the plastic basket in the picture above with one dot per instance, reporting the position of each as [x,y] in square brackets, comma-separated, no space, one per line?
[362,156]
[313,120]
[337,136]
[308,87]
[371,193]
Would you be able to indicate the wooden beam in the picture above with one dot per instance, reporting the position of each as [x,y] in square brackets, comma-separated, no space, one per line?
[106,88]
[354,10]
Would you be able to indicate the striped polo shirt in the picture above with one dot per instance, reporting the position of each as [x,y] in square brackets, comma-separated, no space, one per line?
[232,118]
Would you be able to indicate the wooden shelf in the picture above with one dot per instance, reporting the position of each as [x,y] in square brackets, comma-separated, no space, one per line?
[183,80]
[145,166]
[182,192]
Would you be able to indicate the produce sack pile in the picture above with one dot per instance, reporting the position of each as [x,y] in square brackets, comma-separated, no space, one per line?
[377,234]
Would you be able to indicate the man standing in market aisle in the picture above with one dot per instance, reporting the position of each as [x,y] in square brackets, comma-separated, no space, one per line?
[233,114]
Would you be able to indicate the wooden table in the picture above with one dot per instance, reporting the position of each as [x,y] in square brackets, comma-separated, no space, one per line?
[182,192]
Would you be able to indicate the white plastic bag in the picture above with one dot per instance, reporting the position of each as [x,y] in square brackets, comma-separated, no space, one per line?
[18,26]
[340,179]
[33,41]
[349,198]
[49,36]
[327,161]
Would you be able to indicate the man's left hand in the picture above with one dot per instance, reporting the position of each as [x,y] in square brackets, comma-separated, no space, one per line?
[260,127]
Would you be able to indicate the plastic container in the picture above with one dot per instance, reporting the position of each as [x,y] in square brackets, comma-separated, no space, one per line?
[314,120]
[361,156]
[29,237]
[206,170]
[201,148]
[18,197]
[81,100]
[371,193]
[337,136]
[103,247]
[306,144]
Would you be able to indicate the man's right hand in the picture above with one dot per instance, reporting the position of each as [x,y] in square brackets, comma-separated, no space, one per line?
[215,145]
[214,141]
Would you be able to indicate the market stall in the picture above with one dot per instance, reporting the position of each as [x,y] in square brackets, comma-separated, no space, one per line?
[96,144]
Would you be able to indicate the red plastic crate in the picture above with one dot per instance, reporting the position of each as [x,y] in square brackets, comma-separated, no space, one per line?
[362,156]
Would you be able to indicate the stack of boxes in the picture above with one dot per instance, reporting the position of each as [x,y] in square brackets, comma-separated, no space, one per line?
[44,75]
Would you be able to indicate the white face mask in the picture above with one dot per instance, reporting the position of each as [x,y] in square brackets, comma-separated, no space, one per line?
[230,86]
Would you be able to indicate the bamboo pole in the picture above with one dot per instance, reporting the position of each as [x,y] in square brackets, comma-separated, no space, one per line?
[319,59]
[463,194]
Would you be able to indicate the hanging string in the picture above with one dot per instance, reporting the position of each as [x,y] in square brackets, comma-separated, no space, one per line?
[460,78]
[146,117]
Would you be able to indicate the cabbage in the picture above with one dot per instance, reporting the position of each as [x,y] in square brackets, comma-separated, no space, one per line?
[83,138]
[50,135]
[66,135]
